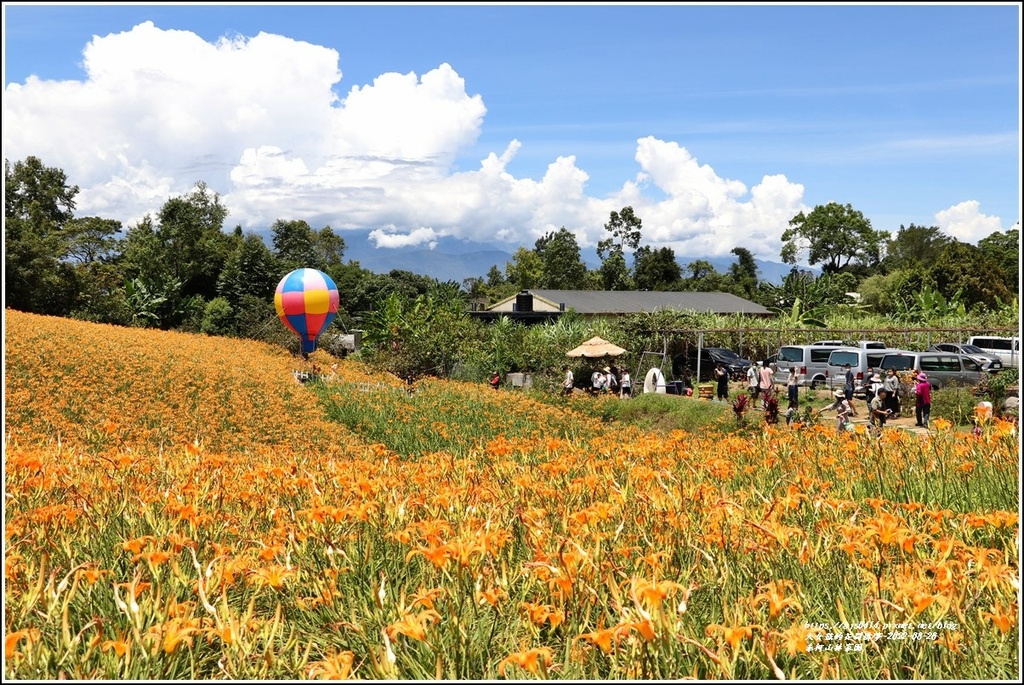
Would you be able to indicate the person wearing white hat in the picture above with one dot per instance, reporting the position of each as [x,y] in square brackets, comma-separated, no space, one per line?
[875,383]
[842,408]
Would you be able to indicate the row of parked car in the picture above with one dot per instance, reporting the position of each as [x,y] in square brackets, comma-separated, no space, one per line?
[823,363]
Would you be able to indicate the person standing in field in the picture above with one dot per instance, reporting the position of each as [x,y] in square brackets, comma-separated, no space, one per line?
[722,377]
[891,384]
[611,381]
[766,382]
[626,384]
[752,380]
[923,400]
[567,380]
[793,389]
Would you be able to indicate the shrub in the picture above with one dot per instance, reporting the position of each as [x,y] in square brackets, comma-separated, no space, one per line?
[995,385]
[218,318]
[954,403]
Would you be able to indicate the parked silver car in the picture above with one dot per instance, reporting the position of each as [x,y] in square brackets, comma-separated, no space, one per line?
[989,362]
[942,368]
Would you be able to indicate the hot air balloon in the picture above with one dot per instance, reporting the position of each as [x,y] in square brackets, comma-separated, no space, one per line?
[307,302]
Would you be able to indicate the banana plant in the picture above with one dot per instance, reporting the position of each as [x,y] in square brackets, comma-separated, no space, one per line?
[798,317]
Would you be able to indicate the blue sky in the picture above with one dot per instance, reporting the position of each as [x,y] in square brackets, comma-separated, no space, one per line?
[500,123]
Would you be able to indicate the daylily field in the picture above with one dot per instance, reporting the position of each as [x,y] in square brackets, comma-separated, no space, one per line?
[179,506]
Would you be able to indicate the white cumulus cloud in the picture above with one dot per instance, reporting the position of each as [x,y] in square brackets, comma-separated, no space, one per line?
[260,121]
[419,236]
[966,223]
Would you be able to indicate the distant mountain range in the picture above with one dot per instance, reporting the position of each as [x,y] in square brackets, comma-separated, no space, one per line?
[456,260]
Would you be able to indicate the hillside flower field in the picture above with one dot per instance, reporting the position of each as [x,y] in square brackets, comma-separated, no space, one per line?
[180,507]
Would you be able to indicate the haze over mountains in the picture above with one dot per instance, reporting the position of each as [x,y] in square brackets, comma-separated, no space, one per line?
[456,260]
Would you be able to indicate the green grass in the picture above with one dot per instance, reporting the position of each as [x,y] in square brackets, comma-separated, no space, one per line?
[657,412]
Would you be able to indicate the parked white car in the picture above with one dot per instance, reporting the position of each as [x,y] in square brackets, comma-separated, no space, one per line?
[1007,349]
[989,362]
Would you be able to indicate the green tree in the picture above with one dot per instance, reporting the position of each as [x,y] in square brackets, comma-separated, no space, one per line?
[91,239]
[655,269]
[179,257]
[193,245]
[330,248]
[965,269]
[424,336]
[613,274]
[38,205]
[526,269]
[703,277]
[913,245]
[218,318]
[835,236]
[810,292]
[1004,250]
[561,266]
[92,250]
[349,278]
[476,288]
[625,229]
[743,273]
[495,278]
[295,246]
[251,269]
[365,295]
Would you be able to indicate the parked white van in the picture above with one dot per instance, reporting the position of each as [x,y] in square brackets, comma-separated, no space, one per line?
[810,362]
[1007,349]
[860,360]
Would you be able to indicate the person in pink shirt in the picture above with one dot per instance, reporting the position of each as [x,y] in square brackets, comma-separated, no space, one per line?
[923,400]
[766,380]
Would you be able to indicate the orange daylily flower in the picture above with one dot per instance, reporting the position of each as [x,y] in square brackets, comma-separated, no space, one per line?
[795,637]
[532,660]
[491,596]
[414,625]
[607,638]
[274,576]
[333,667]
[652,595]
[120,646]
[732,634]
[12,640]
[426,598]
[177,631]
[774,595]
[437,555]
[544,613]
[135,546]
[887,529]
[1001,618]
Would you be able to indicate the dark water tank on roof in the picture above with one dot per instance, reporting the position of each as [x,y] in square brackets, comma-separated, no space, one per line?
[524,301]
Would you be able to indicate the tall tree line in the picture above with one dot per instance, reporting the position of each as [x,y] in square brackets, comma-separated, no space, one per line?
[181,269]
